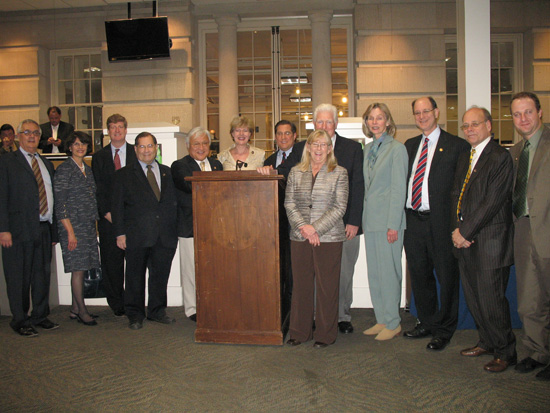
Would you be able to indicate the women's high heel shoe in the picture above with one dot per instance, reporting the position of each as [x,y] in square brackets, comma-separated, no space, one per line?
[74,316]
[386,334]
[374,330]
[86,323]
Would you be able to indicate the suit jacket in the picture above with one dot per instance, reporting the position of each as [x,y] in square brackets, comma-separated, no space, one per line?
[385,187]
[272,159]
[321,205]
[486,208]
[19,205]
[103,168]
[538,192]
[138,214]
[64,131]
[440,180]
[180,169]
[349,154]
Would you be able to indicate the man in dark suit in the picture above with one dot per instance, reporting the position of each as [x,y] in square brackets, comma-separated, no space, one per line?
[104,164]
[55,132]
[349,155]
[198,144]
[27,230]
[7,135]
[432,164]
[285,136]
[531,204]
[483,236]
[144,212]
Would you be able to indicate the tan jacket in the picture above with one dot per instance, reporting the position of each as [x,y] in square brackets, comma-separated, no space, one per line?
[322,205]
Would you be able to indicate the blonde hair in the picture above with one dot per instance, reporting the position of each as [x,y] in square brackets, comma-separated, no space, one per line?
[382,106]
[240,121]
[318,135]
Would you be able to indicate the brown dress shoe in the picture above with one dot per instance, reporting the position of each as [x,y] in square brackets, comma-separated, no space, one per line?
[498,365]
[475,352]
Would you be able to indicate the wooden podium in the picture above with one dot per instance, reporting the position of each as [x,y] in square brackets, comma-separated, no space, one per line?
[237,263]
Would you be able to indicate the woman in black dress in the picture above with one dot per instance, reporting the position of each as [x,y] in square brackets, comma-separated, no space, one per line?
[76,211]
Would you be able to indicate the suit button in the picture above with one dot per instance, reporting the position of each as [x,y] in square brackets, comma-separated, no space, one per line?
[311,206]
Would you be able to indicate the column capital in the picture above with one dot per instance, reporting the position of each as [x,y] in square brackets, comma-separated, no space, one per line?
[227,20]
[320,16]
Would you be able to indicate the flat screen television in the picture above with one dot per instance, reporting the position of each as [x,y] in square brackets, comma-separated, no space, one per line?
[136,39]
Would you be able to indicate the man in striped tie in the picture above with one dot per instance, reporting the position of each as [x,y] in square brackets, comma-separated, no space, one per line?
[432,161]
[27,231]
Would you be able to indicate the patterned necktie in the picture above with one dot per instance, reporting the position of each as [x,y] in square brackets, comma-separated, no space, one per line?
[203,168]
[472,153]
[284,158]
[42,197]
[153,182]
[520,189]
[117,160]
[418,179]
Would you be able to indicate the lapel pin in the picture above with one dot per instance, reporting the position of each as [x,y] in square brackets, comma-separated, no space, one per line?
[440,149]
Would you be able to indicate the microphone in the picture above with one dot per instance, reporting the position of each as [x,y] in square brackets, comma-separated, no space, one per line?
[239,165]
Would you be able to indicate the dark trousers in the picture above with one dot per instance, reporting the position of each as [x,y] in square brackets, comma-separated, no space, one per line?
[424,254]
[484,291]
[27,268]
[158,260]
[316,273]
[112,266]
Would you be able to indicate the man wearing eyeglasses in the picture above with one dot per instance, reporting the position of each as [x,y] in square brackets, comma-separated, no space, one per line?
[432,163]
[144,213]
[27,231]
[105,162]
[483,236]
[531,205]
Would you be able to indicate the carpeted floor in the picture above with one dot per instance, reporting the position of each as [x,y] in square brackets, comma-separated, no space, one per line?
[110,368]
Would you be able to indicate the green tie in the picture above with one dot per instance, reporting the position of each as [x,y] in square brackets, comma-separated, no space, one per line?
[520,190]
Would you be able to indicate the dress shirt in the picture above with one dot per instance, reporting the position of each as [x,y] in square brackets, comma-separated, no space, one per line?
[433,139]
[47,184]
[479,149]
[280,156]
[155,168]
[121,154]
[533,144]
[55,149]
[207,166]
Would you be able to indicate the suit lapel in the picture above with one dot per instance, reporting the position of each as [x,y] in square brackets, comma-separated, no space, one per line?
[21,158]
[542,152]
[140,174]
[480,163]
[439,151]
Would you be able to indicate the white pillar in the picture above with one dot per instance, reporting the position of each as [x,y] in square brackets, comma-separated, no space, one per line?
[474,54]
[320,59]
[228,76]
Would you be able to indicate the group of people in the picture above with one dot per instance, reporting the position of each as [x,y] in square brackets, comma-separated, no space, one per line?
[464,210]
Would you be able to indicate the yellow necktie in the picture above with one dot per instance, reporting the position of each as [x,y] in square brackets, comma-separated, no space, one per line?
[202,166]
[472,153]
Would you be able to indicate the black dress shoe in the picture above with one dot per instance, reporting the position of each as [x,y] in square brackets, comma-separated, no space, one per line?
[544,374]
[417,332]
[47,324]
[162,319]
[438,343]
[528,364]
[135,325]
[86,323]
[345,327]
[119,313]
[27,331]
[293,342]
[73,316]
[318,344]
[193,317]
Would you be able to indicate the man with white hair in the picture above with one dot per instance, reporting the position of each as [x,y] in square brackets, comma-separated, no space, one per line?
[198,144]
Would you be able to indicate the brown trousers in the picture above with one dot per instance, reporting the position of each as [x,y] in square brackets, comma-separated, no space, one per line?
[316,272]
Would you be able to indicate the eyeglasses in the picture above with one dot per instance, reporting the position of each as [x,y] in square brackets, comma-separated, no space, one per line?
[199,144]
[317,145]
[148,146]
[27,132]
[424,112]
[287,133]
[324,122]
[474,125]
[79,144]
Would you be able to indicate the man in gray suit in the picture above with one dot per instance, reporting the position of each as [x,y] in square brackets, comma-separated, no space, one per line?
[531,202]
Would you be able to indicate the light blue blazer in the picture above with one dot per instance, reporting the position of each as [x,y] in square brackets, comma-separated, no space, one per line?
[385,187]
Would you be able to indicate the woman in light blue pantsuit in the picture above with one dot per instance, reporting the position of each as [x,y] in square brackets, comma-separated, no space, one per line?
[385,169]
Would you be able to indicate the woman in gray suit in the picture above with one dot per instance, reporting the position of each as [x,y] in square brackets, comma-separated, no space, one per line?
[76,211]
[385,170]
[315,202]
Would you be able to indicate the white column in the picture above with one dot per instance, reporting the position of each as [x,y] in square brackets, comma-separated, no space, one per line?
[320,59]
[474,54]
[228,76]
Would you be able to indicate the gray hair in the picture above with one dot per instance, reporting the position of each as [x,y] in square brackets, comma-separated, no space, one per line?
[486,114]
[20,127]
[198,131]
[326,107]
